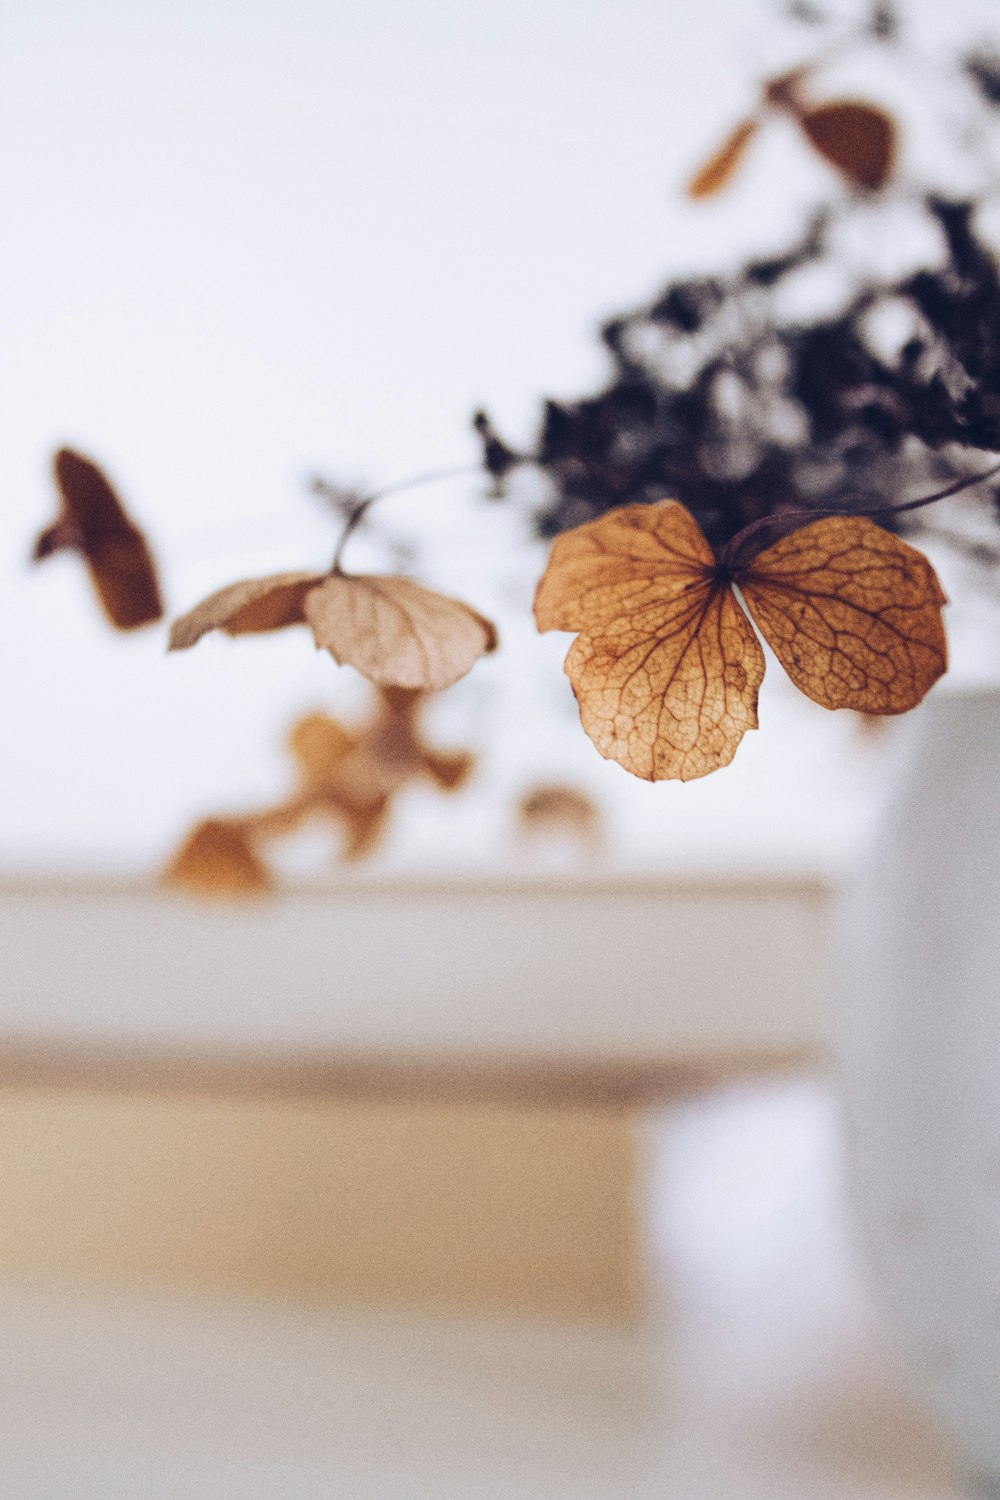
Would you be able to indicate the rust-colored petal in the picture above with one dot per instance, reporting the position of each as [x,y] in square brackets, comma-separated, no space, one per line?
[858,139]
[251,606]
[720,168]
[396,632]
[852,613]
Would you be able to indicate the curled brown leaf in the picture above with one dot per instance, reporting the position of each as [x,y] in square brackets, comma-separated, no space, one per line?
[93,521]
[666,666]
[396,632]
[252,606]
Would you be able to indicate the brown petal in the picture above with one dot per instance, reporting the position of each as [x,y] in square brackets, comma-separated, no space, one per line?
[857,139]
[251,606]
[396,632]
[852,613]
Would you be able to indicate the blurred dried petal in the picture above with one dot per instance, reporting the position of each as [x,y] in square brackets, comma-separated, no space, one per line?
[363,829]
[94,523]
[351,776]
[320,745]
[217,859]
[449,770]
[553,808]
[719,170]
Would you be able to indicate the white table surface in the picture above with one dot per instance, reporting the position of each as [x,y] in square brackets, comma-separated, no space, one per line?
[758,1373]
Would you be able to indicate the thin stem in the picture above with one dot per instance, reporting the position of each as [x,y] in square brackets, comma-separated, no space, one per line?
[729,556]
[359,512]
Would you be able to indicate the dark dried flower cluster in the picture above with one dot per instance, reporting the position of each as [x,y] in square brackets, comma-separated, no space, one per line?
[719,399]
[717,402]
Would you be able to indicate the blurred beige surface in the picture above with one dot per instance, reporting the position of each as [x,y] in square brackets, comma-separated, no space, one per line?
[757,1373]
[588,966]
[476,1202]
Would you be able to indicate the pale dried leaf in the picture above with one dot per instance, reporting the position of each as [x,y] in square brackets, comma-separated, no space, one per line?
[667,667]
[248,607]
[852,613]
[364,828]
[395,631]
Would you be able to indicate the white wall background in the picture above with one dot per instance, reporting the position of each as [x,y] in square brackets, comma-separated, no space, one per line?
[244,241]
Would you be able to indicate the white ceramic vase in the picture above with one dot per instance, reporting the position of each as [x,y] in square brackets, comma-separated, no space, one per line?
[919,1034]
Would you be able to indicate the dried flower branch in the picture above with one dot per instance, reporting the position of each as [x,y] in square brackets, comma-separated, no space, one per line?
[394,631]
[348,776]
[856,138]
